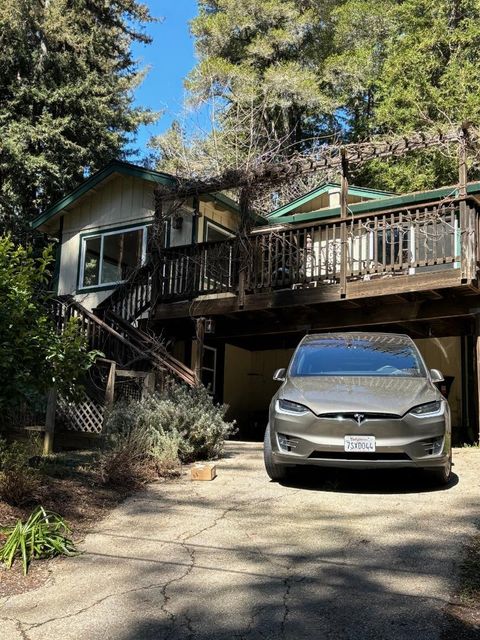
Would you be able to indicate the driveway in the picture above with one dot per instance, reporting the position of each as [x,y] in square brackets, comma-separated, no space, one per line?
[332,556]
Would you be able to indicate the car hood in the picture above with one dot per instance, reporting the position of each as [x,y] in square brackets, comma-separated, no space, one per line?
[367,394]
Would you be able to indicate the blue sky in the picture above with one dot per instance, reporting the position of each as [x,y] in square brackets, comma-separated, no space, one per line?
[170,57]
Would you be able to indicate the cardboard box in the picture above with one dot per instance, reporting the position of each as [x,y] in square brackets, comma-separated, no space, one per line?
[204,471]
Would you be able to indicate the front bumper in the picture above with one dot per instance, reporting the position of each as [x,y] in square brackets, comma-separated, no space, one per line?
[406,441]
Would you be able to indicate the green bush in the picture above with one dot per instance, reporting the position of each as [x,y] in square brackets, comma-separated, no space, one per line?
[135,452]
[19,482]
[44,535]
[156,433]
[33,356]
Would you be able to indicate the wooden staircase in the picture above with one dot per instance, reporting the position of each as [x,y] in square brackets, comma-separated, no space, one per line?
[114,336]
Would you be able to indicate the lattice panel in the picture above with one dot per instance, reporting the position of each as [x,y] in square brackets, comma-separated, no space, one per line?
[129,389]
[85,416]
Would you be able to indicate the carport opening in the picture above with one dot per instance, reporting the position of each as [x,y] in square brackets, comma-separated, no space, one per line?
[248,384]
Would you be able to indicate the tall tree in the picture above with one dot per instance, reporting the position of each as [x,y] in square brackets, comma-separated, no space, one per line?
[260,69]
[405,66]
[65,96]
[283,75]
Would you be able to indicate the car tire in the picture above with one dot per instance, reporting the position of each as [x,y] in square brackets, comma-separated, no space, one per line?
[442,476]
[275,472]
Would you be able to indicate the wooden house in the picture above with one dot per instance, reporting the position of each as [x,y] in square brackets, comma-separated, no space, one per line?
[402,263]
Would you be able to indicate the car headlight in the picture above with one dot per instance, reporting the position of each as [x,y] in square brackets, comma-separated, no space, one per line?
[287,406]
[428,409]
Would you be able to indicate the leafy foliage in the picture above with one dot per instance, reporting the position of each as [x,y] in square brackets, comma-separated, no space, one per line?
[154,434]
[258,69]
[44,535]
[403,66]
[66,86]
[19,482]
[286,75]
[33,357]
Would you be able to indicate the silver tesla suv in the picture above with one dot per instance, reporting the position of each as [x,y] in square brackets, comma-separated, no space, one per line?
[358,400]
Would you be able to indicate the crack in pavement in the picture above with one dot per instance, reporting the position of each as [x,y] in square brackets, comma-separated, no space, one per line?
[36,625]
[166,597]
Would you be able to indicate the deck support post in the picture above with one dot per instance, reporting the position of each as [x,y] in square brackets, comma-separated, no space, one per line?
[244,253]
[200,334]
[467,222]
[343,228]
[110,388]
[475,426]
[50,422]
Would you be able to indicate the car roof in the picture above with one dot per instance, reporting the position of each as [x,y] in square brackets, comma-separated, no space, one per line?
[387,338]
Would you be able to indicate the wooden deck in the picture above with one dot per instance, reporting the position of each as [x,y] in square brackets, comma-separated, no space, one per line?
[430,249]
[405,265]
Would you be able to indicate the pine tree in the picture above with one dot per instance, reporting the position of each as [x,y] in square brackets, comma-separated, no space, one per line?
[259,69]
[65,96]
[406,66]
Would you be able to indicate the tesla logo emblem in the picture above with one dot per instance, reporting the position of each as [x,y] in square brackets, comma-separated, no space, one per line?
[359,417]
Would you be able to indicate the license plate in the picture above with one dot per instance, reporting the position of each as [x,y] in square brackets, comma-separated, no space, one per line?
[359,443]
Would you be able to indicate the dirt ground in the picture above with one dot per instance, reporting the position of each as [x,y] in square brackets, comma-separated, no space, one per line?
[77,496]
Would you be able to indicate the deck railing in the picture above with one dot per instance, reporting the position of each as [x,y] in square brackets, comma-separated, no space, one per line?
[201,269]
[388,243]
[332,251]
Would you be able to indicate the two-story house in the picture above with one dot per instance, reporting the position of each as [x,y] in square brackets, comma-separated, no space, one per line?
[404,263]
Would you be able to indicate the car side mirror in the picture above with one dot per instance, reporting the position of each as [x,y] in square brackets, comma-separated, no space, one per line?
[280,375]
[436,375]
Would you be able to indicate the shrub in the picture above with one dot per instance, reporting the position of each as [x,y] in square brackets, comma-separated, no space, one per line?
[19,482]
[44,535]
[193,415]
[135,456]
[152,436]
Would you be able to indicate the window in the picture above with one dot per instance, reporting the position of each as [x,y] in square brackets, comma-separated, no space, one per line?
[363,356]
[209,368]
[215,233]
[217,272]
[109,258]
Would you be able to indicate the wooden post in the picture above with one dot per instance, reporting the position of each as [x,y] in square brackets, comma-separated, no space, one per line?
[476,373]
[244,244]
[110,388]
[50,422]
[156,245]
[200,332]
[467,222]
[343,229]
[149,384]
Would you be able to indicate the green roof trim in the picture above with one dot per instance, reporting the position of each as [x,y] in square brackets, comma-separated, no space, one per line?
[115,166]
[362,192]
[383,203]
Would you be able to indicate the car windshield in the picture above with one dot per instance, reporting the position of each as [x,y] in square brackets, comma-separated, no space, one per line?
[365,356]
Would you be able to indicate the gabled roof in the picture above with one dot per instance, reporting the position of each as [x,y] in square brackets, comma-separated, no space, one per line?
[390,202]
[122,168]
[327,187]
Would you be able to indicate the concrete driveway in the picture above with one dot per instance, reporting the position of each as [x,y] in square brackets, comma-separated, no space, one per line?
[333,555]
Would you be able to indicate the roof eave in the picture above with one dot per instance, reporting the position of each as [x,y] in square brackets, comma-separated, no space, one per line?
[116,166]
[383,203]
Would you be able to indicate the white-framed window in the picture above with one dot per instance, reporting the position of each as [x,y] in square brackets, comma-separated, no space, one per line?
[218,260]
[108,258]
[215,232]
[209,368]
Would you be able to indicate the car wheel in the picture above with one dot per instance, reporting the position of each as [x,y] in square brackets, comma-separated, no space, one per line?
[276,472]
[443,475]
